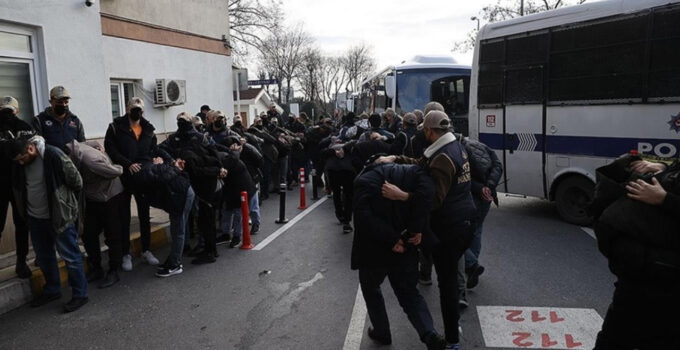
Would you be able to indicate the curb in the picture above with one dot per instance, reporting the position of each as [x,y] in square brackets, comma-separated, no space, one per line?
[16,292]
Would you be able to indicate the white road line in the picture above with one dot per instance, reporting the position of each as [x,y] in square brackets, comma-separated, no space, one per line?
[356,324]
[589,231]
[290,224]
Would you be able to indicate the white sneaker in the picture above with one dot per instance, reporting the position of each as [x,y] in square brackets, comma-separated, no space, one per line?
[127,263]
[149,258]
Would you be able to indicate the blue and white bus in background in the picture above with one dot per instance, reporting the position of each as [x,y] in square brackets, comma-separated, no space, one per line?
[411,85]
[560,93]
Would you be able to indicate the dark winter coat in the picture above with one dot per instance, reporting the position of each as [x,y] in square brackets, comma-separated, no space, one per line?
[124,149]
[640,240]
[166,187]
[269,149]
[238,179]
[9,129]
[485,167]
[379,222]
[203,166]
[58,133]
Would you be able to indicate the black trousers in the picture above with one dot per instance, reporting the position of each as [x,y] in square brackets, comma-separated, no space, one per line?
[403,280]
[144,220]
[104,216]
[342,185]
[20,226]
[641,316]
[445,256]
[206,223]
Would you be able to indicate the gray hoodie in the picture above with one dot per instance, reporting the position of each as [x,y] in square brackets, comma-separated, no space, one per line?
[101,178]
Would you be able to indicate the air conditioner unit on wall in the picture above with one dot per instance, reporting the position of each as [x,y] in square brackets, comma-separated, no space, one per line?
[170,92]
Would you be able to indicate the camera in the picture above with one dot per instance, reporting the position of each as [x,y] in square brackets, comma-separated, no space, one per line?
[89,3]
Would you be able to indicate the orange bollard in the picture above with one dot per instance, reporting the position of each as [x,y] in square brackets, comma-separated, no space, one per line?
[245,213]
[303,195]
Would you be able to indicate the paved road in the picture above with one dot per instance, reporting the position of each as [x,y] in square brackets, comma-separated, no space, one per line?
[298,292]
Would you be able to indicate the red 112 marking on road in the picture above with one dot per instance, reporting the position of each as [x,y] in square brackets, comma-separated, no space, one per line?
[516,316]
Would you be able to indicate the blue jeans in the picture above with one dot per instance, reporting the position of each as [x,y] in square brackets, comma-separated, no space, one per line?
[178,230]
[254,207]
[231,218]
[44,240]
[472,253]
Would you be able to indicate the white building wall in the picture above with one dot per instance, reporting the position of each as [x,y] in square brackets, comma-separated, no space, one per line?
[70,45]
[207,75]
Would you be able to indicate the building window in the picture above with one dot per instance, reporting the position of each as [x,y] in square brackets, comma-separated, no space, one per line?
[121,92]
[18,73]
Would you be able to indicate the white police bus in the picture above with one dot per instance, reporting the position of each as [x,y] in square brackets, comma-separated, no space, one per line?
[418,81]
[560,93]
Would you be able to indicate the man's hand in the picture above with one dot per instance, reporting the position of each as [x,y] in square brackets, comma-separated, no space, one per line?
[651,194]
[236,147]
[135,168]
[393,192]
[375,136]
[486,194]
[385,159]
[242,141]
[416,239]
[644,167]
[158,160]
[223,173]
[180,163]
[399,247]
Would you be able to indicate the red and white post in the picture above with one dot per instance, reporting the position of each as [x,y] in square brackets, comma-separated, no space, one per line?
[245,214]
[303,198]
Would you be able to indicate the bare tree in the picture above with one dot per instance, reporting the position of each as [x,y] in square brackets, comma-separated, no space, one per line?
[357,63]
[282,54]
[333,77]
[507,9]
[310,74]
[250,21]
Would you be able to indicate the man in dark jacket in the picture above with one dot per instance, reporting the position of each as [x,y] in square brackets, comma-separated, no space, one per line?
[385,240]
[340,170]
[203,113]
[270,153]
[45,183]
[636,230]
[130,141]
[486,170]
[57,124]
[10,126]
[453,210]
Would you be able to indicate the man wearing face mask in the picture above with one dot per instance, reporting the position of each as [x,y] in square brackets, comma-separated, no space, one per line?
[131,142]
[238,127]
[10,126]
[56,123]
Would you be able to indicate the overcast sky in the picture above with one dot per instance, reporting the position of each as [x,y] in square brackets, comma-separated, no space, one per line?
[396,29]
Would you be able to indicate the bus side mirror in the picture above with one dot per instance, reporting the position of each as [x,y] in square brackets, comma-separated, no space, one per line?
[390,86]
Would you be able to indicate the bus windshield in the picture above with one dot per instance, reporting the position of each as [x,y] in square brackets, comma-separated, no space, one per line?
[417,87]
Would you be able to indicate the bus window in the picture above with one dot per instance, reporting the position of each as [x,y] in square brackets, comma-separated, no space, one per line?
[664,70]
[415,88]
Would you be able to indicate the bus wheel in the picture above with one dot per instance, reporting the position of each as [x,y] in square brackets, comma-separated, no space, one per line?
[572,196]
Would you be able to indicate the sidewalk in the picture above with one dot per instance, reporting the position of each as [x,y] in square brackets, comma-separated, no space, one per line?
[15,292]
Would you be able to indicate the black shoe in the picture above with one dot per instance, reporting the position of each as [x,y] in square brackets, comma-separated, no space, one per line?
[22,269]
[223,239]
[347,228]
[167,271]
[254,229]
[43,299]
[110,279]
[382,339]
[473,276]
[95,274]
[235,242]
[74,304]
[340,218]
[434,341]
[204,258]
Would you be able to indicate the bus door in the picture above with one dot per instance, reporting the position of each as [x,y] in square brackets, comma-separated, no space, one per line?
[523,131]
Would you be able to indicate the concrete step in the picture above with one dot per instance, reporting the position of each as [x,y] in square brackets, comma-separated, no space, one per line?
[15,292]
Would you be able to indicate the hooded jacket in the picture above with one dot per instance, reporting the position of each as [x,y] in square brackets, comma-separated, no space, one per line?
[379,222]
[62,181]
[101,178]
